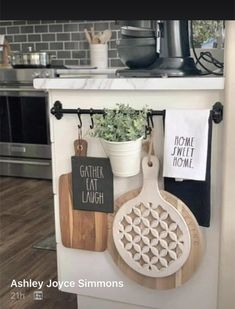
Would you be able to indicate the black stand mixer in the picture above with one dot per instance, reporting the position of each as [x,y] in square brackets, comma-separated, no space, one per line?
[159,49]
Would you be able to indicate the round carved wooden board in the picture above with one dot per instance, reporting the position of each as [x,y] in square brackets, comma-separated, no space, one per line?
[152,238]
[188,267]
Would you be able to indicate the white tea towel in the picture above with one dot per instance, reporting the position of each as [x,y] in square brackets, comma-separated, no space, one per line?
[185,144]
[2,39]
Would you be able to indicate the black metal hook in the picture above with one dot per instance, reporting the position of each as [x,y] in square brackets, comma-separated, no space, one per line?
[150,124]
[79,118]
[147,132]
[150,119]
[91,116]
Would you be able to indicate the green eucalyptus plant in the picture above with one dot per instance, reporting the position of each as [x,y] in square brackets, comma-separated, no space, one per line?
[206,29]
[121,124]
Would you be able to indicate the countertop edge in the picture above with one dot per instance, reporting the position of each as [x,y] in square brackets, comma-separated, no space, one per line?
[101,83]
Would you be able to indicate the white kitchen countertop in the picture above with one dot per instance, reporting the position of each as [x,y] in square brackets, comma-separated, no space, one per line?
[110,82]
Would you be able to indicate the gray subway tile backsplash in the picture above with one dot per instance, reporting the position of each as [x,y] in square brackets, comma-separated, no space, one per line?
[48,37]
[25,47]
[19,38]
[55,28]
[58,62]
[116,63]
[13,30]
[19,22]
[84,45]
[47,21]
[79,54]
[70,27]
[84,62]
[85,25]
[63,54]
[33,22]
[64,38]
[76,36]
[10,38]
[26,29]
[114,26]
[16,46]
[71,62]
[42,46]
[6,22]
[112,53]
[112,44]
[41,28]
[34,38]
[71,45]
[101,26]
[56,46]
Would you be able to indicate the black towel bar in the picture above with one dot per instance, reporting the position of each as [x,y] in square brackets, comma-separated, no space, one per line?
[58,111]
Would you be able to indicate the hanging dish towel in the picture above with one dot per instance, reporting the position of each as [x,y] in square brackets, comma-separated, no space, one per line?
[195,194]
[185,144]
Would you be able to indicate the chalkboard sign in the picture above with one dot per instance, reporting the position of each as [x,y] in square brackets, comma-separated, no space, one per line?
[92,184]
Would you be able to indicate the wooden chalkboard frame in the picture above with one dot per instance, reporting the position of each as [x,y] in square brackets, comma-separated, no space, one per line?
[92,184]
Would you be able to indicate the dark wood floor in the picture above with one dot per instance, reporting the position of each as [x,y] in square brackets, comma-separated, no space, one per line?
[26,217]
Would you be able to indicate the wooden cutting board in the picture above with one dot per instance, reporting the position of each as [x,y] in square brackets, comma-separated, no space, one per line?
[80,229]
[188,268]
[150,235]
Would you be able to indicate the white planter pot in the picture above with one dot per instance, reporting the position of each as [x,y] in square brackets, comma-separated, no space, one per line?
[124,156]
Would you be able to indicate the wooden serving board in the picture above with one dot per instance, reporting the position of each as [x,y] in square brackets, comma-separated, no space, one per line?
[194,258]
[80,229]
[151,235]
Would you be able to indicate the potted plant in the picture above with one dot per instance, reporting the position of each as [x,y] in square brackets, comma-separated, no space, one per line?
[121,132]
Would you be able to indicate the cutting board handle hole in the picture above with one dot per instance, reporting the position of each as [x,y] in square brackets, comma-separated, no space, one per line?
[80,147]
[150,163]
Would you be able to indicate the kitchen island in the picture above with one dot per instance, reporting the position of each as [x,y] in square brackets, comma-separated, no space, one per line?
[84,267]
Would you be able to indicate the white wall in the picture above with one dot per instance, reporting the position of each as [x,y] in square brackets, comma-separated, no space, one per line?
[227,253]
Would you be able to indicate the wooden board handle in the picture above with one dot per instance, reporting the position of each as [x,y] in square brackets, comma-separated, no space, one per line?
[80,147]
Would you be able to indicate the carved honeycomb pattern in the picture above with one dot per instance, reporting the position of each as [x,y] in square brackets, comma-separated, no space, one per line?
[150,236]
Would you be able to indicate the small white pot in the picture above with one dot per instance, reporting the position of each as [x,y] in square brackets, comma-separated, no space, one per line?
[99,55]
[124,157]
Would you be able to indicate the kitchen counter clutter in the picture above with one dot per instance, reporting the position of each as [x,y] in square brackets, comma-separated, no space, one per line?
[104,81]
[122,287]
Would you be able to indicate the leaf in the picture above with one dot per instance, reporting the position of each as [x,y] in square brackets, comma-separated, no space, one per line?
[121,124]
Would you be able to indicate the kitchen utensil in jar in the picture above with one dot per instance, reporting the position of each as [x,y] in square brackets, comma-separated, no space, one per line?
[88,37]
[106,36]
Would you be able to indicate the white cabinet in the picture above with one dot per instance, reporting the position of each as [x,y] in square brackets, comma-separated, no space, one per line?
[201,290]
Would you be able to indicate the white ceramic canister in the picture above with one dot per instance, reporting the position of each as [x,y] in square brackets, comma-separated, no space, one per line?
[99,55]
[124,157]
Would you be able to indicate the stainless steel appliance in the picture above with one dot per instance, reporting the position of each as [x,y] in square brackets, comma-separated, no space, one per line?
[24,131]
[172,37]
[30,59]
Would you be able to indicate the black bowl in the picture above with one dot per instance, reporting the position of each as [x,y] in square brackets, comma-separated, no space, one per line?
[136,41]
[136,32]
[137,56]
